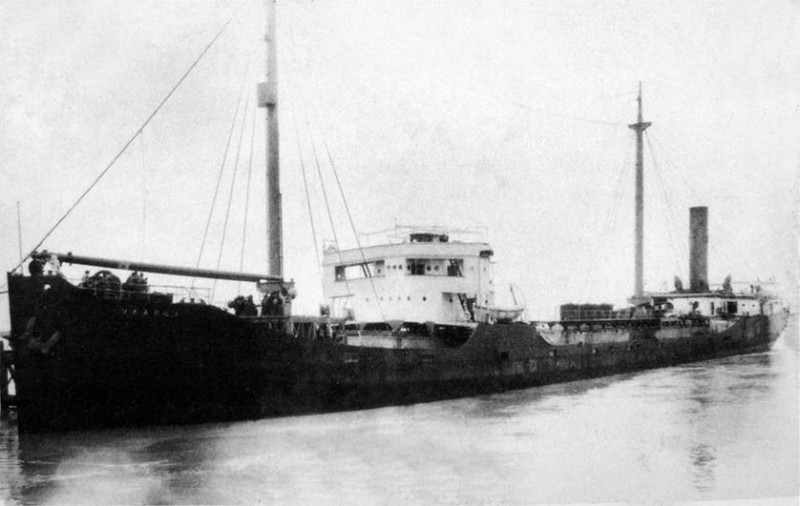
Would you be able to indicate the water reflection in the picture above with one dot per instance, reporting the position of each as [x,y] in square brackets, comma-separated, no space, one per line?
[177,462]
[154,466]
[9,459]
[726,408]
[702,456]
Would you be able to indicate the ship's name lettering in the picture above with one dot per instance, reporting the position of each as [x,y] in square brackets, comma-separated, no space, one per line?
[143,311]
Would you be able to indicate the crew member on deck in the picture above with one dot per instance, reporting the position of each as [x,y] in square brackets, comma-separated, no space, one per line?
[36,267]
[249,308]
[272,305]
[136,282]
[141,285]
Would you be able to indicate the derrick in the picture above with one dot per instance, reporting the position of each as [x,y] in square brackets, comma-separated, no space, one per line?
[110,263]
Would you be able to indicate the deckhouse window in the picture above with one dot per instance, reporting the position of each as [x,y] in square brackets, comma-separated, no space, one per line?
[359,270]
[416,266]
[455,267]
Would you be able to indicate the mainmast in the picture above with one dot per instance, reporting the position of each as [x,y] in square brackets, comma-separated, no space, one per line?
[639,127]
[268,97]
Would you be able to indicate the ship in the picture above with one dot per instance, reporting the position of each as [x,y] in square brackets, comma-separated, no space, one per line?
[409,320]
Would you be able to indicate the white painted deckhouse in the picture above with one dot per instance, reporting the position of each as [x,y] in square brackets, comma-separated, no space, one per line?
[422,276]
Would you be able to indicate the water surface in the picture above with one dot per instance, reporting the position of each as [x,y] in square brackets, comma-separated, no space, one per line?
[718,430]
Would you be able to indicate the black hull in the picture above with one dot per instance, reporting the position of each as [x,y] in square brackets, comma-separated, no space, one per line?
[122,363]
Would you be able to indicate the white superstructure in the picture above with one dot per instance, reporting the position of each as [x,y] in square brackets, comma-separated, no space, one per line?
[423,277]
[720,304]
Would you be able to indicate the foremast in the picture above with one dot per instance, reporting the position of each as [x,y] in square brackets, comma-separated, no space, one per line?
[268,98]
[639,127]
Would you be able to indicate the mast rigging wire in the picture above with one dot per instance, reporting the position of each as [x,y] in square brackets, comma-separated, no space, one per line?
[325,194]
[230,195]
[720,254]
[144,198]
[128,143]
[327,203]
[566,116]
[308,196]
[292,45]
[712,246]
[368,274]
[669,204]
[221,170]
[19,233]
[657,140]
[609,223]
[352,223]
[247,198]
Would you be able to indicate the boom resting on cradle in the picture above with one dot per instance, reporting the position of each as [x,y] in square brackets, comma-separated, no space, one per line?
[46,256]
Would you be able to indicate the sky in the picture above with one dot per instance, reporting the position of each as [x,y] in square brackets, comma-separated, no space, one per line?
[508,116]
